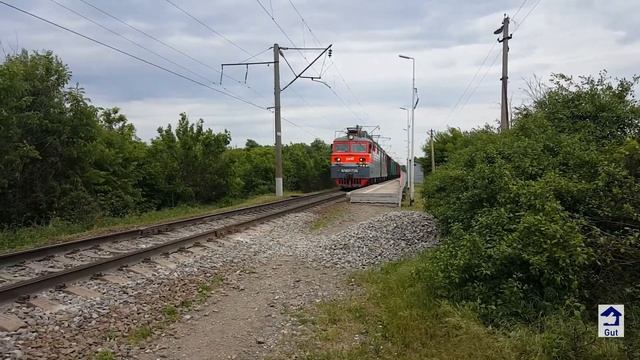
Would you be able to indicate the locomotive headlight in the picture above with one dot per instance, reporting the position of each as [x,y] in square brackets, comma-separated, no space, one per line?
[362,159]
[338,159]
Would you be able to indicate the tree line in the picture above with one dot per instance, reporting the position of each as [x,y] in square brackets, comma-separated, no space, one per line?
[541,223]
[64,158]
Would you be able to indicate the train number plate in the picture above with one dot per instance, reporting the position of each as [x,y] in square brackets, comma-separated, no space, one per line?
[349,170]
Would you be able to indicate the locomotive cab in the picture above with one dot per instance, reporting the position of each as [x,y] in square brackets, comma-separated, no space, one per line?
[357,160]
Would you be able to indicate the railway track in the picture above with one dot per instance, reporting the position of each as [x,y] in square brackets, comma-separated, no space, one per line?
[29,271]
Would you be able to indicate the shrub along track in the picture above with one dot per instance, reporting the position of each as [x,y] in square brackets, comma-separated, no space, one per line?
[24,273]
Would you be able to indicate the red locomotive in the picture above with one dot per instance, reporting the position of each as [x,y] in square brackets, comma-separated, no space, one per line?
[357,160]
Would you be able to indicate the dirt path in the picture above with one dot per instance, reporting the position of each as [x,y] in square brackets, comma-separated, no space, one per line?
[247,316]
[250,313]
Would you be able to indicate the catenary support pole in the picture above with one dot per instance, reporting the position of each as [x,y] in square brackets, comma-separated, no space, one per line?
[276,93]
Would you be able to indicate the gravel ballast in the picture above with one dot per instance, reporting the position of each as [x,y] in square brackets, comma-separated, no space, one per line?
[85,325]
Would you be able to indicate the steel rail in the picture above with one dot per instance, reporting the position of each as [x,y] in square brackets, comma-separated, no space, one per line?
[21,288]
[43,251]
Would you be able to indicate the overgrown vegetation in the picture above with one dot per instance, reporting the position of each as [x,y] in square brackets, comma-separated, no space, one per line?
[67,161]
[401,316]
[541,223]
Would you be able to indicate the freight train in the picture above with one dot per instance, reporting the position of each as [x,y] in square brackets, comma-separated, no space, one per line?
[357,160]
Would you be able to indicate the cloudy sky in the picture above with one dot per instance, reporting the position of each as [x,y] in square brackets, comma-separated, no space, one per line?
[457,58]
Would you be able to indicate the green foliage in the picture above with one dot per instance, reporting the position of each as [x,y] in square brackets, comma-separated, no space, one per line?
[307,167]
[67,161]
[104,355]
[399,316]
[186,165]
[544,218]
[140,334]
[170,312]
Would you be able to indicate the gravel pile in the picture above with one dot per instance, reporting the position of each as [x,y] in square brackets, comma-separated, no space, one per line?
[387,237]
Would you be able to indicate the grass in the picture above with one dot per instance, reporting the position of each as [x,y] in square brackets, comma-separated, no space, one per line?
[398,316]
[111,335]
[170,312]
[104,355]
[140,334]
[59,231]
[327,218]
[418,203]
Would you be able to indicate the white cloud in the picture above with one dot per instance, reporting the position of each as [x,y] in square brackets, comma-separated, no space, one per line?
[448,39]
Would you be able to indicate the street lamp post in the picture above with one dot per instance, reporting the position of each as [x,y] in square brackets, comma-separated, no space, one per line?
[409,170]
[413,107]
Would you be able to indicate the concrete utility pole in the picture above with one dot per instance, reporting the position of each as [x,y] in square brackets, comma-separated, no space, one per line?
[276,94]
[433,155]
[277,52]
[504,115]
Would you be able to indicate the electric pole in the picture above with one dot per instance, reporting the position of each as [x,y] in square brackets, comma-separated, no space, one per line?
[433,155]
[276,104]
[277,53]
[504,115]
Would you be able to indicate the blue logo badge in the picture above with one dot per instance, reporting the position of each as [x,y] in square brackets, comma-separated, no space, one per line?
[611,320]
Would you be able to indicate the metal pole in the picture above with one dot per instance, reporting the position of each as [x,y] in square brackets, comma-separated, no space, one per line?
[413,107]
[433,155]
[276,93]
[504,115]
[408,143]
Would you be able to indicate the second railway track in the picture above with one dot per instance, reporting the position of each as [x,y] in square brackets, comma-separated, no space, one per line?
[33,270]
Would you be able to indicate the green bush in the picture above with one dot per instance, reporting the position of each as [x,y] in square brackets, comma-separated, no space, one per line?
[67,159]
[545,217]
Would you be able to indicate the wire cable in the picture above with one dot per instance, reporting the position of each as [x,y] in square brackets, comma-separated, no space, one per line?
[279,27]
[256,55]
[208,27]
[172,47]
[519,8]
[527,15]
[465,92]
[130,41]
[160,67]
[493,63]
[304,21]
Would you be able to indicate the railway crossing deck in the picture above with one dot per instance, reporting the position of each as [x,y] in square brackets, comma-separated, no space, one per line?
[388,192]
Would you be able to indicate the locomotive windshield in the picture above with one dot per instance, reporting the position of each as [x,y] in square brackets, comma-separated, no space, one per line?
[358,148]
[340,147]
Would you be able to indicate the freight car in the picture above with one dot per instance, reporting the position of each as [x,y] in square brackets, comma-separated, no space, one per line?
[357,160]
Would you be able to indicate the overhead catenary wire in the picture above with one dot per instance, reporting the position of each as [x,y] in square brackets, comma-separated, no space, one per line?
[169,46]
[344,81]
[270,15]
[123,52]
[279,27]
[129,40]
[256,55]
[208,27]
[216,32]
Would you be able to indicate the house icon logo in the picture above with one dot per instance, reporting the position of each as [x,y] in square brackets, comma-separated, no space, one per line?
[611,320]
